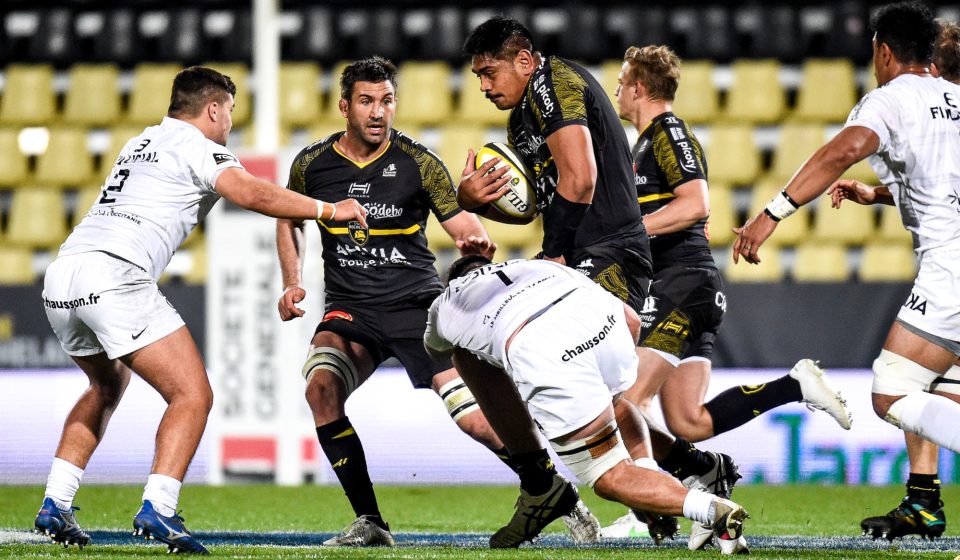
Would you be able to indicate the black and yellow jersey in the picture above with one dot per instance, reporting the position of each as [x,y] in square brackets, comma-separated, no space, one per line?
[667,155]
[388,262]
[562,93]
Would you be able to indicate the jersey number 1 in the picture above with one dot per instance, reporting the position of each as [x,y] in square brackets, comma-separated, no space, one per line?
[503,277]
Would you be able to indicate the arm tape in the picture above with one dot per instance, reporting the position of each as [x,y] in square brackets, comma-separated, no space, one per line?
[560,223]
[780,206]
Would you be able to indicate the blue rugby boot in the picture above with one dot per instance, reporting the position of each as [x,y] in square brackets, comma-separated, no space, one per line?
[59,525]
[909,518]
[170,530]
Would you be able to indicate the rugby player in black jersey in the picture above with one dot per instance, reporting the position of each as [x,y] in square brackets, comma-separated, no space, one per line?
[686,304]
[379,282]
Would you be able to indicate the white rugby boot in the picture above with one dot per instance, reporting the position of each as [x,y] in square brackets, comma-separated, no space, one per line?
[819,393]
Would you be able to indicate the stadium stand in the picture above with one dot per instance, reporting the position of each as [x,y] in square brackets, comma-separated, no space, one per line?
[732,153]
[418,77]
[14,170]
[473,107]
[23,227]
[791,231]
[66,161]
[756,95]
[821,262]
[16,266]
[299,94]
[891,228]
[722,215]
[851,224]
[28,95]
[888,262]
[150,95]
[770,268]
[93,98]
[697,100]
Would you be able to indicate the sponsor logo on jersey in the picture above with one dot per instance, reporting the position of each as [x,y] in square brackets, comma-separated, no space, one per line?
[687,162]
[540,87]
[143,157]
[223,158]
[390,170]
[677,133]
[359,189]
[358,233]
[585,263]
[916,303]
[595,340]
[92,299]
[649,305]
[337,315]
[382,210]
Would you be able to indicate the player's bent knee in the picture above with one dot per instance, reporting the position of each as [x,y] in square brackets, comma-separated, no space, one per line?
[326,358]
[590,458]
[895,376]
[460,402]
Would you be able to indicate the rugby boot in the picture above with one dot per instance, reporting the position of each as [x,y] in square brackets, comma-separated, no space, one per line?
[908,518]
[728,518]
[533,513]
[625,527]
[659,526]
[583,526]
[169,530]
[362,532]
[819,393]
[719,481]
[60,525]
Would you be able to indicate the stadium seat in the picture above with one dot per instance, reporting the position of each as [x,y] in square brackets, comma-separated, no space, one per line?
[474,108]
[851,224]
[796,143]
[769,269]
[888,262]
[82,202]
[514,238]
[827,91]
[194,238]
[66,162]
[150,95]
[723,215]
[13,163]
[790,231]
[37,219]
[821,262]
[891,228]
[756,95]
[16,266]
[28,95]
[609,71]
[732,154]
[299,94]
[697,99]
[454,142]
[93,98]
[331,109]
[242,101]
[424,96]
[437,238]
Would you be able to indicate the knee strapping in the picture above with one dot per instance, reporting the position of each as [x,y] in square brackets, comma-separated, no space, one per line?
[591,457]
[334,361]
[458,399]
[895,375]
[931,417]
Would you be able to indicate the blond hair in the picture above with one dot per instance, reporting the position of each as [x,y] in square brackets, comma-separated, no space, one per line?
[657,67]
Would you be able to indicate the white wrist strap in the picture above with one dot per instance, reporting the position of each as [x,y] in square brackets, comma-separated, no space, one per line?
[319,210]
[781,206]
[333,210]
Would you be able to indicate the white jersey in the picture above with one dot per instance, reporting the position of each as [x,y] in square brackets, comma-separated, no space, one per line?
[160,188]
[918,122]
[481,310]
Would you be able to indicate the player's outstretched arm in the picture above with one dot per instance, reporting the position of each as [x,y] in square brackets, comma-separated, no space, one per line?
[291,247]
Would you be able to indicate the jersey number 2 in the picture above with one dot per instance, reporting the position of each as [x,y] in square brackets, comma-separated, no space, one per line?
[122,175]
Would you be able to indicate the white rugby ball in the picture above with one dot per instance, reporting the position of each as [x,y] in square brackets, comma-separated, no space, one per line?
[519,201]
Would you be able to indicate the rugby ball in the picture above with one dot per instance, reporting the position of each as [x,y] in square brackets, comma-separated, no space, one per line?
[519,201]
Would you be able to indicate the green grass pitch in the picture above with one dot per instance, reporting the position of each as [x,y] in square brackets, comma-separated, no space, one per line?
[786,522]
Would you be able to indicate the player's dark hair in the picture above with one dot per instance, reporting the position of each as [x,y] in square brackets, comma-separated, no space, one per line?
[463,265]
[909,29]
[946,53]
[372,69]
[499,37]
[195,87]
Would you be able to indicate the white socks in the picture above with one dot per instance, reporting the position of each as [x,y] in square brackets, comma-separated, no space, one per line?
[697,506]
[163,492]
[63,483]
[929,416]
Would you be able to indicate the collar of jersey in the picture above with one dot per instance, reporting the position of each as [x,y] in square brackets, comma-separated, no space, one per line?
[362,164]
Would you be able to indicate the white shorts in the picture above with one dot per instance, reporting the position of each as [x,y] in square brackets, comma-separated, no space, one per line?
[933,305]
[97,303]
[567,365]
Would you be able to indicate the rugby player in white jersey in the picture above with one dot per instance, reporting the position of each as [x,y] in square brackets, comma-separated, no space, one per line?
[103,303]
[568,347]
[908,128]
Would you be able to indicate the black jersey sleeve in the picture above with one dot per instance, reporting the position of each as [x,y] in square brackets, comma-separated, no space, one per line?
[558,97]
[678,153]
[297,181]
[436,181]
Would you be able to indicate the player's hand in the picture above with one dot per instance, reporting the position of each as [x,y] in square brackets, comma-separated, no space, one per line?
[476,245]
[559,259]
[854,191]
[751,236]
[349,210]
[288,302]
[478,186]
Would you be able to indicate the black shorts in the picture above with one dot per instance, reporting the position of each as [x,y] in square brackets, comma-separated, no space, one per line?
[684,311]
[387,332]
[617,269]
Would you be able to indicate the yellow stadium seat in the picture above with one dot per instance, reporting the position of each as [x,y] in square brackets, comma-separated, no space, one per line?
[37,219]
[723,215]
[331,109]
[28,95]
[16,266]
[790,231]
[512,237]
[732,154]
[93,98]
[609,71]
[697,99]
[888,262]
[197,275]
[756,95]
[454,142]
[118,138]
[242,101]
[474,108]
[863,172]
[196,237]
[796,144]
[323,129]
[891,228]
[424,96]
[85,199]
[13,163]
[299,94]
[150,95]
[437,237]
[821,262]
[828,90]
[769,270]
[285,136]
[851,224]
[66,162]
